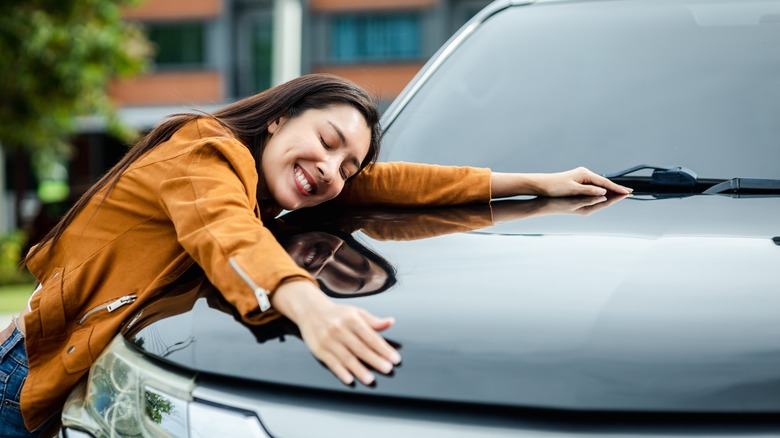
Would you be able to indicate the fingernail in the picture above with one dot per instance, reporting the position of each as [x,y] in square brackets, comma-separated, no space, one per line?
[395,358]
[386,367]
[367,379]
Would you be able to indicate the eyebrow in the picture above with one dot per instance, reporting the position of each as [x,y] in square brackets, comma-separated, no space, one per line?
[343,139]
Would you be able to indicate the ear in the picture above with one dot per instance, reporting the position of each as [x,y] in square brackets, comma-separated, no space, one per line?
[274,126]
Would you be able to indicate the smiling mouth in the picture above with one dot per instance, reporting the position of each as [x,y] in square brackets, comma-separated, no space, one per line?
[316,257]
[303,182]
[310,258]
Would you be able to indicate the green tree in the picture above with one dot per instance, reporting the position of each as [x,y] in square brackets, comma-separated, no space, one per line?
[56,60]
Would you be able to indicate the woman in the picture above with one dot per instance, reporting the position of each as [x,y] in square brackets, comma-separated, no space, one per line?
[196,190]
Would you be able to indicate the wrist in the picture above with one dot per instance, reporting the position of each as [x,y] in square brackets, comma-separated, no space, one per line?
[536,183]
[513,184]
[295,298]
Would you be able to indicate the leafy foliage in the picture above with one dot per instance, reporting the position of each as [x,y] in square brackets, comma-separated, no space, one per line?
[56,59]
[10,254]
[156,406]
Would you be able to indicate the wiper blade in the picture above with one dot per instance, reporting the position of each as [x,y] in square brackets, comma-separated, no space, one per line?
[678,181]
[676,176]
[754,186]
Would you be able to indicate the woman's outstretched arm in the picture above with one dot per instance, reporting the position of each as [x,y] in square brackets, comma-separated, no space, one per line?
[575,182]
[343,337]
[412,185]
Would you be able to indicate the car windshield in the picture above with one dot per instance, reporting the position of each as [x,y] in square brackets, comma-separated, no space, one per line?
[608,86]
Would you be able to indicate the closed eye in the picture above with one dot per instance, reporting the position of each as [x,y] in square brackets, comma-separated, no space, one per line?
[325,145]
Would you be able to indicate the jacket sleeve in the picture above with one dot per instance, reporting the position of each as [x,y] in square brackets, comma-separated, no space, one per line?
[210,199]
[415,224]
[402,184]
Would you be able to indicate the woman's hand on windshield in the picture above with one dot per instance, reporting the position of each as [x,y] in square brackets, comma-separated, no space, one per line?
[345,338]
[575,182]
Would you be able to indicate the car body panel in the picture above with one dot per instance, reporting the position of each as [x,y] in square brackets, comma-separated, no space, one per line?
[597,312]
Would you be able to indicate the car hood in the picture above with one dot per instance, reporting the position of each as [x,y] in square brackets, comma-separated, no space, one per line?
[648,305]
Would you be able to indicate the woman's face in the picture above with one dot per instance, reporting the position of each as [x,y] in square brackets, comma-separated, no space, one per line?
[343,269]
[308,158]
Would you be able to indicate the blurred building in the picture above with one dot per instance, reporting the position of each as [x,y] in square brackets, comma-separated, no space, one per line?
[212,52]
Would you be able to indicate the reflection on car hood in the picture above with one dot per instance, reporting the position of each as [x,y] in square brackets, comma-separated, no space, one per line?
[611,311]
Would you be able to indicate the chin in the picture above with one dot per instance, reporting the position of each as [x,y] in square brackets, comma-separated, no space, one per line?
[289,201]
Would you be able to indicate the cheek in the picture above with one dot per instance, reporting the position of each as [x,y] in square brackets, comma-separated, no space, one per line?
[326,195]
[269,160]
[336,188]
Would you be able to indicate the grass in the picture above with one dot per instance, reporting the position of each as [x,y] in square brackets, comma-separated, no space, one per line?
[14,297]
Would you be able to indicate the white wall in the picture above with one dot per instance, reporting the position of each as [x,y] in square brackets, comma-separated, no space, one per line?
[288,18]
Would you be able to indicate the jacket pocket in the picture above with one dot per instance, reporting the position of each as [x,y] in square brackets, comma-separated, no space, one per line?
[107,307]
[51,305]
[77,356]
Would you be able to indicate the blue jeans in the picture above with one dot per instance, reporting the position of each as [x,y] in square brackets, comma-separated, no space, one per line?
[13,371]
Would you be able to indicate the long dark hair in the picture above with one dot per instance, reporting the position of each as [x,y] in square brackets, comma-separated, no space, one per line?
[248,120]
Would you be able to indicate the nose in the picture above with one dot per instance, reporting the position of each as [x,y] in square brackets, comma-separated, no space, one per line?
[328,170]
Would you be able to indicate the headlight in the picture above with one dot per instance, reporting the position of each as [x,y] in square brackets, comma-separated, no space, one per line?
[126,395]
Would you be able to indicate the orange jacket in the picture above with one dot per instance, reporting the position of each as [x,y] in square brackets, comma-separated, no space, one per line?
[192,199]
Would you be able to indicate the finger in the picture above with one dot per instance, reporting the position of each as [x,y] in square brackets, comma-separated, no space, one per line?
[379,324]
[373,350]
[342,362]
[354,342]
[369,355]
[589,201]
[590,190]
[376,342]
[588,205]
[608,184]
[590,209]
[613,199]
[348,359]
[339,370]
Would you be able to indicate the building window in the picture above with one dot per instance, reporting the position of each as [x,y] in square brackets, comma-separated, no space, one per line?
[253,36]
[375,37]
[178,45]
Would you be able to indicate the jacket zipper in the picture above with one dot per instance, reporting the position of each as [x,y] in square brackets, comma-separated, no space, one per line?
[110,307]
[260,293]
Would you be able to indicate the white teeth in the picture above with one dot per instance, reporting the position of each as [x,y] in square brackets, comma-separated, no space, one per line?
[302,180]
[309,258]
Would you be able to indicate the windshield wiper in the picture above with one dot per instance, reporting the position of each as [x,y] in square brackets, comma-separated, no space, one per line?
[749,186]
[677,181]
[676,176]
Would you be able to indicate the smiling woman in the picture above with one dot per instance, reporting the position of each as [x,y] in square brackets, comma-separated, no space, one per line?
[197,190]
[307,159]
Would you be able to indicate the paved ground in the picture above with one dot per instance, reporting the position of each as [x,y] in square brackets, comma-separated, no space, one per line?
[5,319]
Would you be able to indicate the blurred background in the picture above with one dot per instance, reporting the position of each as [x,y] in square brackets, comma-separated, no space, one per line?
[80,80]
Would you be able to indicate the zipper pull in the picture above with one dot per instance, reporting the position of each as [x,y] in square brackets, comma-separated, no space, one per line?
[260,294]
[127,299]
[262,299]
